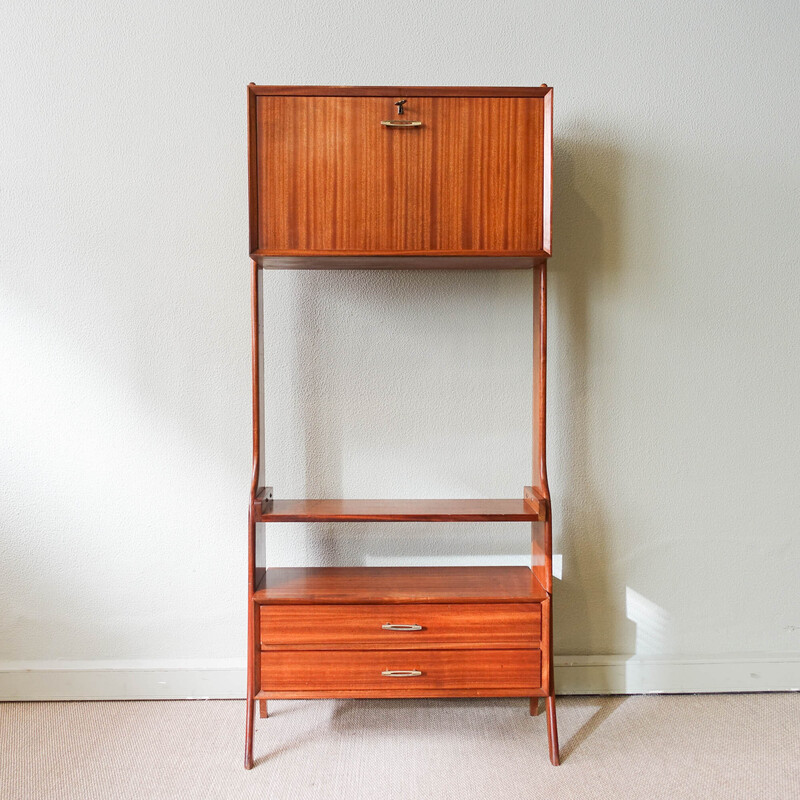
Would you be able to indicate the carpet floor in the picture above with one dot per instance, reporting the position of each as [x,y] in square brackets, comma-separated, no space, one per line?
[655,746]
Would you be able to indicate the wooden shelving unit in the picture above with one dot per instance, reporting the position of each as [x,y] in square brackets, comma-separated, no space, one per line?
[414,178]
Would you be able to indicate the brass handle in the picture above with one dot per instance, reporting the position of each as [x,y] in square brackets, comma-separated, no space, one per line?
[391,123]
[390,627]
[401,673]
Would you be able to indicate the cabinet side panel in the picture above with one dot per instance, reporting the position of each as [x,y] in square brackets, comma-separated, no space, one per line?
[547,172]
[252,159]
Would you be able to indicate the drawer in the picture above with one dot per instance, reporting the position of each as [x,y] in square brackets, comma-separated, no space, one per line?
[330,178]
[353,671]
[413,625]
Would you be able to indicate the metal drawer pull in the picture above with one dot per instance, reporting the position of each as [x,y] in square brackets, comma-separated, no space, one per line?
[401,673]
[390,627]
[391,123]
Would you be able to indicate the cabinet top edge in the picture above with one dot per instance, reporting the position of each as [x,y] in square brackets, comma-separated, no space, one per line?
[393,91]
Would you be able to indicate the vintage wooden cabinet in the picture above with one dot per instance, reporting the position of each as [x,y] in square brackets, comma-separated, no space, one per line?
[420,178]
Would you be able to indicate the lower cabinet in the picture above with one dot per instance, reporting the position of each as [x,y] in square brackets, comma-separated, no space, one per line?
[402,632]
[400,650]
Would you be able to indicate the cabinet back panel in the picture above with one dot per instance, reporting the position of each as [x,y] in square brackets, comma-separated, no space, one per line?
[331,179]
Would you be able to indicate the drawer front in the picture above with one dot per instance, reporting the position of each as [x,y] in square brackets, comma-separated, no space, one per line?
[412,625]
[330,178]
[410,670]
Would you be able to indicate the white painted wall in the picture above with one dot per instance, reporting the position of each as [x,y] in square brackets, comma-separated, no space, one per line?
[124,349]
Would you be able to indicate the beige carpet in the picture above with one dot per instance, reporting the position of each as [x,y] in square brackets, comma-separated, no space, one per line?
[708,746]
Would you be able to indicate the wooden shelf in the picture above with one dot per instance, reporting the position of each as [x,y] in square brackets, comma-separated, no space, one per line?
[520,510]
[399,585]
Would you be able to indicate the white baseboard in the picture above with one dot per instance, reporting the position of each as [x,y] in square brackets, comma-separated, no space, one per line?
[614,674]
[225,678]
[167,679]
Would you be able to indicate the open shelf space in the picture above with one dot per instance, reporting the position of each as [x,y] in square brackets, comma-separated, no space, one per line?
[399,585]
[398,511]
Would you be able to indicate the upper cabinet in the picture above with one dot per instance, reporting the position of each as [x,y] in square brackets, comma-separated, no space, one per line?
[399,171]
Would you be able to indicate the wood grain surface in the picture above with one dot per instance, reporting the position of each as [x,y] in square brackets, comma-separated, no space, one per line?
[331,179]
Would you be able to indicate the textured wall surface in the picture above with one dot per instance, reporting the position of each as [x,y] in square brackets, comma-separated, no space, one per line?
[124,335]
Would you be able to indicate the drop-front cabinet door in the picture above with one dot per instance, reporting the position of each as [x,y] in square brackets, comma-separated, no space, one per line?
[331,179]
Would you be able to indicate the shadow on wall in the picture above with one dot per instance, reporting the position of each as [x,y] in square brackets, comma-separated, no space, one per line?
[590,607]
[588,245]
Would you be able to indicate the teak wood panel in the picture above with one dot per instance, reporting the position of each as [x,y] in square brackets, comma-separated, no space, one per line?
[360,670]
[331,179]
[370,585]
[453,625]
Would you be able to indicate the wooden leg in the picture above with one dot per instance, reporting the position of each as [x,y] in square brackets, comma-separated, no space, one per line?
[248,742]
[534,706]
[552,731]
[262,709]
[252,630]
[251,651]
